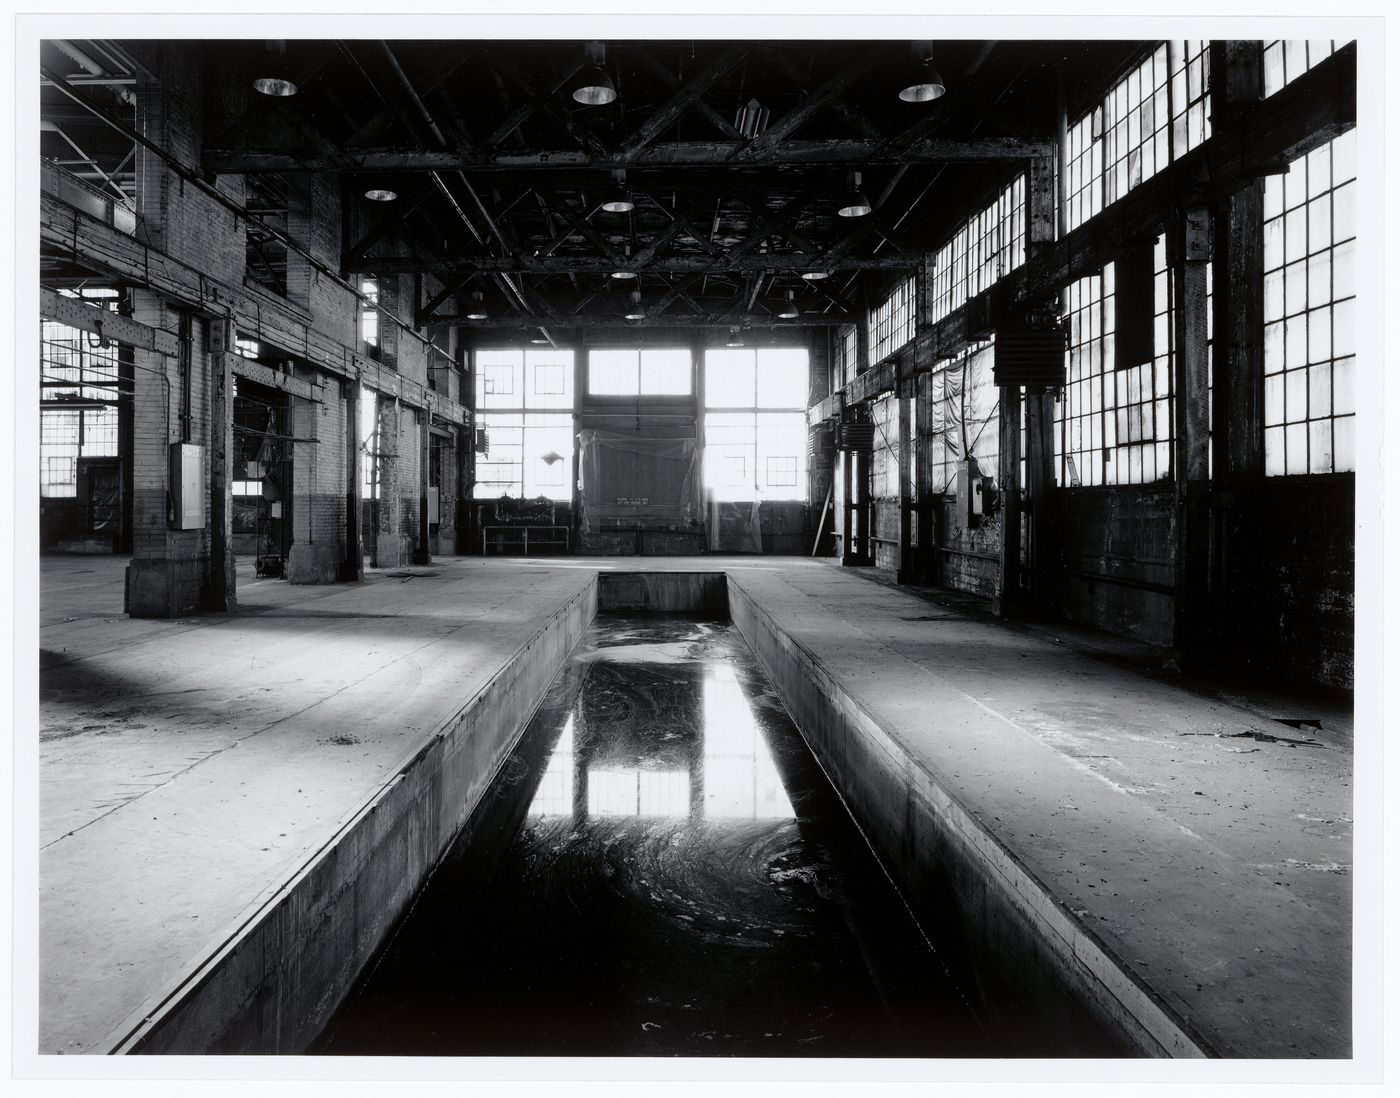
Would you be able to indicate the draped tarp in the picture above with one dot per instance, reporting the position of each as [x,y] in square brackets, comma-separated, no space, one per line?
[632,482]
[734,527]
[963,416]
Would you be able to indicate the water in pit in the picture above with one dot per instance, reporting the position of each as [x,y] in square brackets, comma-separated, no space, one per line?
[661,868]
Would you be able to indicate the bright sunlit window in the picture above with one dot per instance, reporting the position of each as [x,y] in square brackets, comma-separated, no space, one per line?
[755,424]
[525,402]
[647,372]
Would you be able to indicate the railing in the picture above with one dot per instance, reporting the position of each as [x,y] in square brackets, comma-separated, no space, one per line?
[545,538]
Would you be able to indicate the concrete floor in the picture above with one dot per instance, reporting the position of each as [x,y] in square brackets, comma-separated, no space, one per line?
[188,767]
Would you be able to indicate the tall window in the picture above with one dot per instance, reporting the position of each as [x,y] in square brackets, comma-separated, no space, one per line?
[1116,419]
[892,323]
[645,372]
[525,402]
[369,311]
[990,244]
[1285,61]
[1310,312]
[755,427]
[77,370]
[1144,122]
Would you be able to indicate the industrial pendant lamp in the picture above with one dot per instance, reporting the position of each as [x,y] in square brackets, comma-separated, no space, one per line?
[381,194]
[787,308]
[477,311]
[595,87]
[735,338]
[814,276]
[854,204]
[924,84]
[625,272]
[634,307]
[275,79]
[618,199]
[539,339]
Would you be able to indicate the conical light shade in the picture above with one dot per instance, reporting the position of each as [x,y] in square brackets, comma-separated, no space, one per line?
[477,311]
[595,87]
[618,201]
[924,84]
[855,204]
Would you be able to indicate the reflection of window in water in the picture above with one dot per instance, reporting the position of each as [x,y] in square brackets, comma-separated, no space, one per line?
[739,778]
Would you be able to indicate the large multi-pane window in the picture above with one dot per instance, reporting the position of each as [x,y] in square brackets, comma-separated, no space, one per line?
[77,368]
[990,245]
[1158,112]
[755,426]
[369,311]
[892,322]
[1190,60]
[525,402]
[646,372]
[1115,419]
[1310,312]
[1285,61]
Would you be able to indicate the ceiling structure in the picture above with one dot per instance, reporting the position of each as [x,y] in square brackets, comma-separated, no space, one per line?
[736,158]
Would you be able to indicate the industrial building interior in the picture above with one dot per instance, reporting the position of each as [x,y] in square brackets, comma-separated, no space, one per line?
[811,548]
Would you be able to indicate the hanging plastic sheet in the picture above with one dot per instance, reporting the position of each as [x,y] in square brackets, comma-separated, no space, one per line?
[734,527]
[631,482]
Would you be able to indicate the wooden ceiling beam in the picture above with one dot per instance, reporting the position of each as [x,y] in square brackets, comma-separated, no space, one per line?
[685,99]
[834,258]
[835,152]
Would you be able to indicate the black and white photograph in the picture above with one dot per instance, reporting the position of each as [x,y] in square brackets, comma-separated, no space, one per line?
[701,549]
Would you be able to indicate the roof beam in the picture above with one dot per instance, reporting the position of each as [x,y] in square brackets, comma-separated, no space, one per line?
[682,101]
[794,153]
[671,264]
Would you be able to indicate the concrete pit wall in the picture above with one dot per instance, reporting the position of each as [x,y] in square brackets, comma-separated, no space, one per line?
[276,980]
[704,594]
[1025,962]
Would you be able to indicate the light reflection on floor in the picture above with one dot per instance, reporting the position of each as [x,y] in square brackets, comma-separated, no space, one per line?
[731,776]
[659,869]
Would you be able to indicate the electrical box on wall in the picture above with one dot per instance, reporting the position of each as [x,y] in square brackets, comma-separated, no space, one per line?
[186,486]
[977,494]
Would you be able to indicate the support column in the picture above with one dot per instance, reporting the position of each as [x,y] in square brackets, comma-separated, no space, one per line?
[904,405]
[1192,632]
[352,566]
[1009,476]
[862,486]
[220,588]
[1237,439]
[1042,219]
[924,563]
[846,459]
[422,553]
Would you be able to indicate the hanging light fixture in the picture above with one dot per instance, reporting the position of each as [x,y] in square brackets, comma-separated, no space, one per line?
[924,83]
[752,119]
[815,276]
[786,309]
[275,79]
[381,194]
[634,307]
[854,203]
[624,272]
[735,339]
[595,87]
[539,339]
[477,310]
[619,200]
